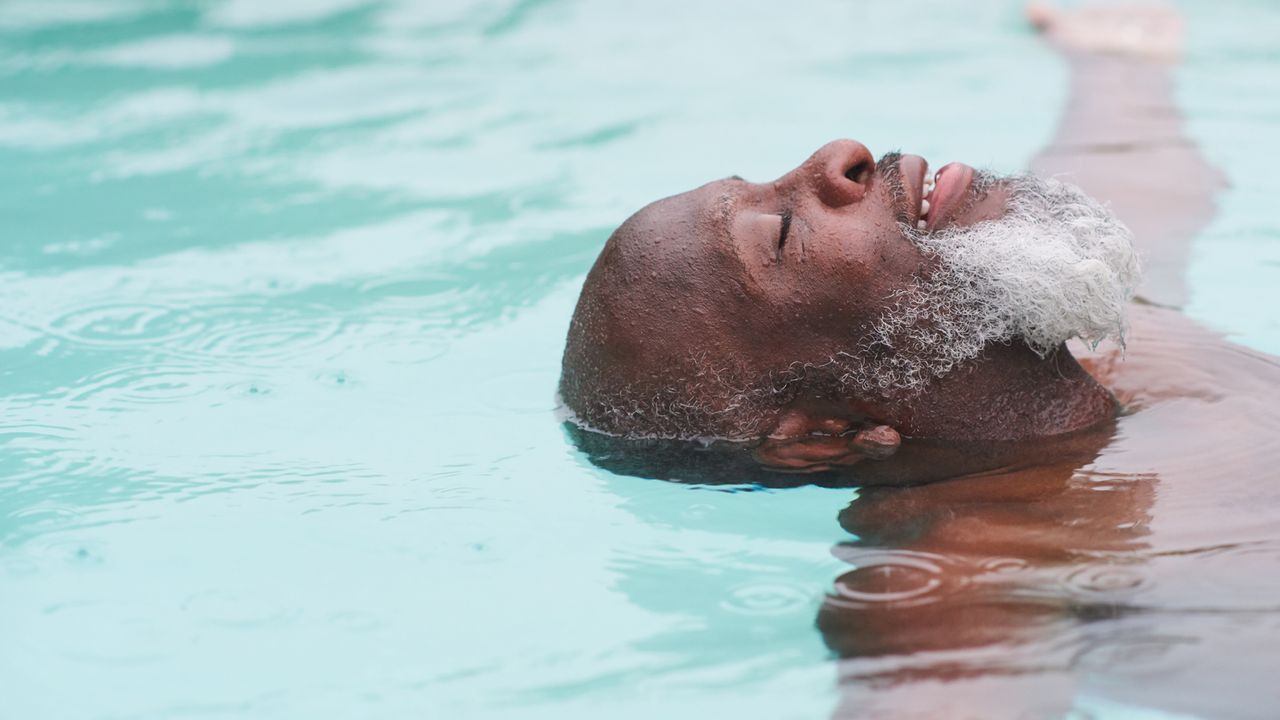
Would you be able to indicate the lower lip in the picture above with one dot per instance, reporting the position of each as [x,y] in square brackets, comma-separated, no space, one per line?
[951,188]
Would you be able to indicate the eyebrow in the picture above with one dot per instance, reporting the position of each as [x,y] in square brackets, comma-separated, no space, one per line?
[724,211]
[719,211]
[726,207]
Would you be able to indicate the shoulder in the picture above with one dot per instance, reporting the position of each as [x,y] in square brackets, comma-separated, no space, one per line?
[1168,356]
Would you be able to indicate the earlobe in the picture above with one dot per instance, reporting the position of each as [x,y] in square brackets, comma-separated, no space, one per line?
[804,444]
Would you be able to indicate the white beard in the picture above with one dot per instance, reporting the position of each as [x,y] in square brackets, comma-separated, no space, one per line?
[1058,265]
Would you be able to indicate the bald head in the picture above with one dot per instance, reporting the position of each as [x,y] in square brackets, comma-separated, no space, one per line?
[704,310]
[654,345]
[719,312]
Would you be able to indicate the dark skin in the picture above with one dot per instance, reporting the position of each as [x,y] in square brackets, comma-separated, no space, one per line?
[1130,558]
[1060,549]
[1055,575]
[712,270]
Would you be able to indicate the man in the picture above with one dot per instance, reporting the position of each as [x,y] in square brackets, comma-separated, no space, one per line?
[1107,514]
[824,315]
[818,319]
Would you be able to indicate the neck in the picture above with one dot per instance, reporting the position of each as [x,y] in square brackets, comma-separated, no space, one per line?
[1010,393]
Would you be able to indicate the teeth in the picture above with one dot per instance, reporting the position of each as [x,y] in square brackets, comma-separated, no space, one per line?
[929,182]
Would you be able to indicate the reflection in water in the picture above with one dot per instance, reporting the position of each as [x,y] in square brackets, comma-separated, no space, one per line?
[1008,560]
[1043,587]
[283,302]
[1133,564]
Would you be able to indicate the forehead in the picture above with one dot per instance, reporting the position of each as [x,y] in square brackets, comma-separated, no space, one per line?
[692,223]
[706,204]
[673,264]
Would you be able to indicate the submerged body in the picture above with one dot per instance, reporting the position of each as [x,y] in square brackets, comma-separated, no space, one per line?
[1033,522]
[1080,568]
[1132,566]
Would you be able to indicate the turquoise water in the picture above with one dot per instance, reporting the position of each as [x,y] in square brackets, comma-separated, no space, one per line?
[284,290]
[1231,90]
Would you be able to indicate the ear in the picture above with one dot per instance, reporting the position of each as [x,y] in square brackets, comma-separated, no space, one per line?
[805,443]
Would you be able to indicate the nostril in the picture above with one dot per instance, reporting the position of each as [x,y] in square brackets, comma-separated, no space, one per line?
[860,172]
[839,173]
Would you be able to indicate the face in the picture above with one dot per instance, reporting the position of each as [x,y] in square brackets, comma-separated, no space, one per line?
[705,309]
[821,252]
[736,281]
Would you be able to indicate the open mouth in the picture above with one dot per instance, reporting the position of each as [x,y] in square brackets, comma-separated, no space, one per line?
[937,198]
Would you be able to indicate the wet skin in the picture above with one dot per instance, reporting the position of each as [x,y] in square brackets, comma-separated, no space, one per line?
[745,280]
[1132,558]
[1147,552]
[1134,562]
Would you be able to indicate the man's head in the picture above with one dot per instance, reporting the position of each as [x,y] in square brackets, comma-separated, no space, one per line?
[741,310]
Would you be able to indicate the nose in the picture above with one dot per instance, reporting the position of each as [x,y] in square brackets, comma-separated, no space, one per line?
[837,173]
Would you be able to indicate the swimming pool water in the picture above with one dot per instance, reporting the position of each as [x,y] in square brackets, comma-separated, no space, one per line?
[283,290]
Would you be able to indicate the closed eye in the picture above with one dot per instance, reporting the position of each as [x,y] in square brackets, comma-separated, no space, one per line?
[783,229]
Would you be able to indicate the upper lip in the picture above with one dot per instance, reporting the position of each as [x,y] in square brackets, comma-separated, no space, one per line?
[914,169]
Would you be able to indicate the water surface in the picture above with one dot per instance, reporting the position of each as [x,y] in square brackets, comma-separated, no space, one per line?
[283,289]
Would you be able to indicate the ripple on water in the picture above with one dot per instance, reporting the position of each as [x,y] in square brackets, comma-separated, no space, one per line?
[16,428]
[121,388]
[1239,576]
[40,516]
[1054,712]
[1099,581]
[699,511]
[252,332]
[520,391]
[264,334]
[410,349]
[353,621]
[1004,566]
[1140,654]
[124,324]
[60,551]
[768,597]
[61,470]
[105,633]
[895,578]
[235,610]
